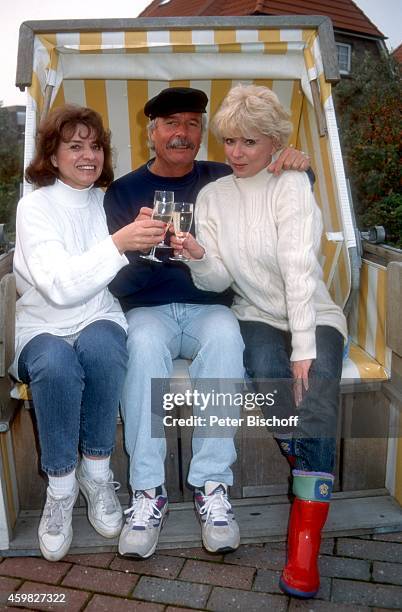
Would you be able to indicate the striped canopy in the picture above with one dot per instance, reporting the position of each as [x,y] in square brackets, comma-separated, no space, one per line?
[117,72]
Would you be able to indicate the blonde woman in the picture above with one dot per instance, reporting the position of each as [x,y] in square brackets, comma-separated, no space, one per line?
[259,234]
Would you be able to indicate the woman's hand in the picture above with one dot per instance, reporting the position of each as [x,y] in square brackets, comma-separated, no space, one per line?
[189,247]
[141,235]
[300,370]
[290,159]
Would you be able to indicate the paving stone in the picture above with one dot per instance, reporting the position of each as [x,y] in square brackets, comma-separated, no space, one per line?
[69,599]
[388,537]
[263,558]
[313,605]
[364,549]
[380,609]
[193,553]
[218,574]
[34,568]
[163,566]
[7,586]
[327,546]
[174,609]
[344,567]
[95,560]
[390,573]
[172,592]
[232,599]
[267,582]
[100,580]
[275,545]
[102,603]
[366,594]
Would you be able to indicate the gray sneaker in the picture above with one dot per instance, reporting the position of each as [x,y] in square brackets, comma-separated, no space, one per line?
[140,534]
[104,510]
[220,531]
[55,531]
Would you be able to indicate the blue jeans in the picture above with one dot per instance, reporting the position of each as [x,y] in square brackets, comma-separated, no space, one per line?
[210,336]
[76,392]
[267,355]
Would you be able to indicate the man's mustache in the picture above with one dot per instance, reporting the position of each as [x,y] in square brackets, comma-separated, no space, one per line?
[177,142]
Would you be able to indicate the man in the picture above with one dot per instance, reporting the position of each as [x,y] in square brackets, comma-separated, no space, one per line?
[169,317]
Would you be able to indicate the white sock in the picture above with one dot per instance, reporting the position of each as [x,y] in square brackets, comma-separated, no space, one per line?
[62,486]
[96,469]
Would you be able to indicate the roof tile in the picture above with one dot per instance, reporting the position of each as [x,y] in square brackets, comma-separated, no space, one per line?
[345,14]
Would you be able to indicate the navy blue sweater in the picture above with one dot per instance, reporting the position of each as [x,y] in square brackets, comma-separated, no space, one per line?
[143,283]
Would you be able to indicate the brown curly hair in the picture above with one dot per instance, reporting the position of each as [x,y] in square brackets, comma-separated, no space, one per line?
[58,126]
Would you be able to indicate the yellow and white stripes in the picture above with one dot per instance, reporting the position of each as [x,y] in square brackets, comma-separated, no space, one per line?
[117,72]
[367,321]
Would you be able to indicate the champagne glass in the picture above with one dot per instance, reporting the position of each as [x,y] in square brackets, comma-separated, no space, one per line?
[162,211]
[163,196]
[182,220]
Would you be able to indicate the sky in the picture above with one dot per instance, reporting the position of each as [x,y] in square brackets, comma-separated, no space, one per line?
[386,15]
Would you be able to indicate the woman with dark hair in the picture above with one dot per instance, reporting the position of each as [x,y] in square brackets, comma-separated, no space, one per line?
[70,331]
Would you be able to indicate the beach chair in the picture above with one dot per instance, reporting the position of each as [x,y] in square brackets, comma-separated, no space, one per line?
[115,66]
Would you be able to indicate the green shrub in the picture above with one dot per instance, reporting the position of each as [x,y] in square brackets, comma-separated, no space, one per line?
[369,115]
[387,212]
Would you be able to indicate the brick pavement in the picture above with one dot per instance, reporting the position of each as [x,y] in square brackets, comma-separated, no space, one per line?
[358,574]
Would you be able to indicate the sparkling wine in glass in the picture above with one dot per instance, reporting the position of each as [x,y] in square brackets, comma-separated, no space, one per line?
[163,196]
[182,220]
[162,211]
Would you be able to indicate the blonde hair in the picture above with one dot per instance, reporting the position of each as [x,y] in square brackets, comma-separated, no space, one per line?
[252,107]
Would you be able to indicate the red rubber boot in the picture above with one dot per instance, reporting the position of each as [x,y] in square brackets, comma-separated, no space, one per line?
[300,577]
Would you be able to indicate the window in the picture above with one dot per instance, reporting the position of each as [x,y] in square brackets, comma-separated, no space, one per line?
[20,118]
[344,57]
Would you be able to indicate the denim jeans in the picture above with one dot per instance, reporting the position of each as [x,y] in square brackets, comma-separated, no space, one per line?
[76,390]
[210,336]
[267,355]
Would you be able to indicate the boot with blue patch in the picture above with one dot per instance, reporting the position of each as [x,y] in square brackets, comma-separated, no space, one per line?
[312,490]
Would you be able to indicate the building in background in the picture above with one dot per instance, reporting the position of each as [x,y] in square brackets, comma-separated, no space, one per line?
[397,54]
[354,32]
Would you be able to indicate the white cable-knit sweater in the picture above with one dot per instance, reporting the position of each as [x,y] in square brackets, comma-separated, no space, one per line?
[64,259]
[261,237]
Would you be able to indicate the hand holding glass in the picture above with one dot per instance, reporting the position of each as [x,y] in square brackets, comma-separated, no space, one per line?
[162,211]
[182,220]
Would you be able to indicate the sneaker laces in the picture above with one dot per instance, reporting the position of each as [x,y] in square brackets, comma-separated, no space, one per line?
[142,510]
[105,495]
[54,514]
[216,507]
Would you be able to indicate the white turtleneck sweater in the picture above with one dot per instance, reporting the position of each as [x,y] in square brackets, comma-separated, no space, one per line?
[261,237]
[64,259]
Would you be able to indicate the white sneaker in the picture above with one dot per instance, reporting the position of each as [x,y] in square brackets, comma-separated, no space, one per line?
[104,510]
[55,531]
[220,531]
[140,534]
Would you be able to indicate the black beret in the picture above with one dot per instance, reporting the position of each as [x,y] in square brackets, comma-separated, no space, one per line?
[176,100]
